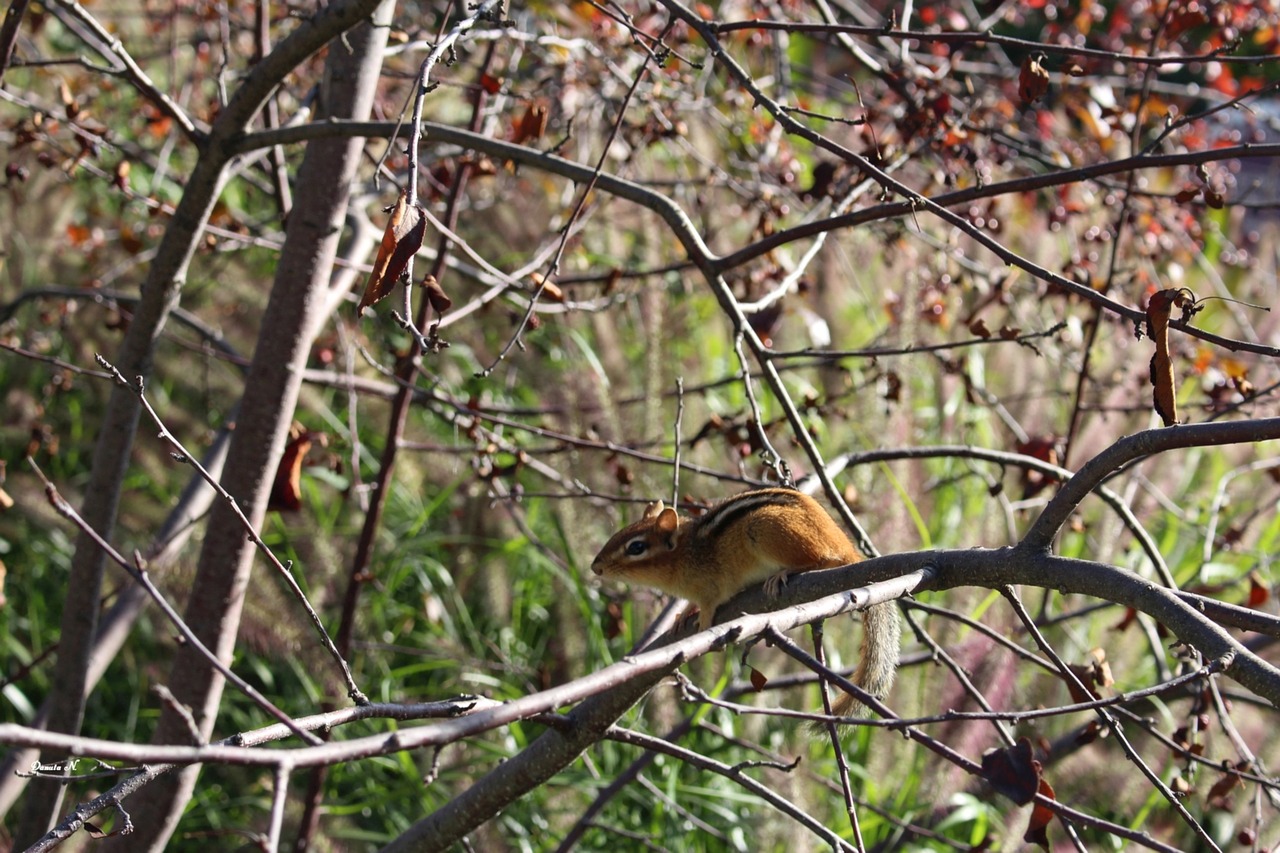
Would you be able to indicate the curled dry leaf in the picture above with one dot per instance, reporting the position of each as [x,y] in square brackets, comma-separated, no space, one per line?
[1159,310]
[615,623]
[547,288]
[1038,823]
[1218,796]
[611,282]
[440,301]
[1013,771]
[979,328]
[1093,675]
[401,240]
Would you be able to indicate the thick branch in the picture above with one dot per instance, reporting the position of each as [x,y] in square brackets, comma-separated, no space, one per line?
[1098,469]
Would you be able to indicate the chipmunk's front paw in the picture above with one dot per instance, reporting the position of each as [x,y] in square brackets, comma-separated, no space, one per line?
[691,618]
[773,585]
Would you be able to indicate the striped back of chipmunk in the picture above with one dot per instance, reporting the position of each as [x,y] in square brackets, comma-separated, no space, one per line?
[732,510]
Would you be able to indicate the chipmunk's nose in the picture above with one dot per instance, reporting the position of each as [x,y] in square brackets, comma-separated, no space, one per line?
[595,567]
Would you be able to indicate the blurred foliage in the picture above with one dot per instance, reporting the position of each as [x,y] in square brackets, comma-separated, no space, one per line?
[480,581]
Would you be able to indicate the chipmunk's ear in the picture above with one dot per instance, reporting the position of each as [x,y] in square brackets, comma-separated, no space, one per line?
[652,510]
[667,525]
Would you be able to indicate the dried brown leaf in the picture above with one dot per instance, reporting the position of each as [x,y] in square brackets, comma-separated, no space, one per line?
[440,301]
[401,240]
[1013,771]
[1159,310]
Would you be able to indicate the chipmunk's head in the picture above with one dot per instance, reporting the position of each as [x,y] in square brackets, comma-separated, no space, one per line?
[640,550]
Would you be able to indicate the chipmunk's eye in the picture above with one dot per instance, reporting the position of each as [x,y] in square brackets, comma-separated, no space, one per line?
[636,547]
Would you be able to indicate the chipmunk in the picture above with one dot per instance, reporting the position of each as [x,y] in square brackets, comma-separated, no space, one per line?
[757,536]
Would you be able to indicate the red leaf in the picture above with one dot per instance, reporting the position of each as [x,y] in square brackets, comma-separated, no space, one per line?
[1033,79]
[532,124]
[1259,592]
[1038,823]
[1217,796]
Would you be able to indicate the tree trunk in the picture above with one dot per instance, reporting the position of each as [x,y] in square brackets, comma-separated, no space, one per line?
[292,318]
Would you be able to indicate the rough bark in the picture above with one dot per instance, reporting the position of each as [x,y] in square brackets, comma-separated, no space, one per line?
[289,325]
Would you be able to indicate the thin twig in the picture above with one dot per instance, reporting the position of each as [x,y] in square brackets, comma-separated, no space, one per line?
[445,45]
[139,574]
[1108,720]
[279,798]
[764,792]
[553,268]
[183,455]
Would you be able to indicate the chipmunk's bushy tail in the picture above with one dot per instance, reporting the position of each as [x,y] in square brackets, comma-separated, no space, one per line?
[877,663]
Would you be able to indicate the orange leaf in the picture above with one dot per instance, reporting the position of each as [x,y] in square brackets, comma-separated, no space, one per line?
[550,291]
[78,234]
[1235,369]
[402,238]
[286,491]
